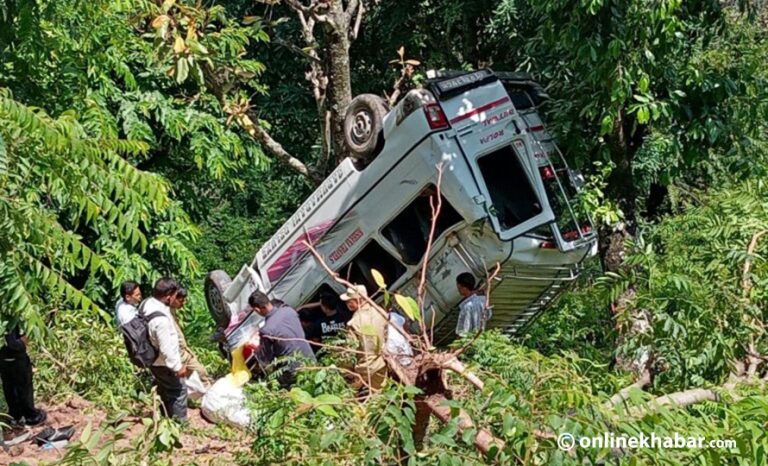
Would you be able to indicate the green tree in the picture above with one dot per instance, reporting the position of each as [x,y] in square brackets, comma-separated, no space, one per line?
[77,217]
[649,87]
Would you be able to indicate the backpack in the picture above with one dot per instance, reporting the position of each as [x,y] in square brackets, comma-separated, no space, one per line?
[141,352]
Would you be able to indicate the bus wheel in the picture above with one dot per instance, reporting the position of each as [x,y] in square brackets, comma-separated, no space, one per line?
[363,125]
[216,283]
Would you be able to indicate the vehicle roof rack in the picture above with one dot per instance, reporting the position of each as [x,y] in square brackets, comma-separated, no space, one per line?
[514,80]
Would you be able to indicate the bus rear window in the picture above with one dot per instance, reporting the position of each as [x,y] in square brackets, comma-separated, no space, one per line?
[512,195]
[520,99]
[409,231]
[372,256]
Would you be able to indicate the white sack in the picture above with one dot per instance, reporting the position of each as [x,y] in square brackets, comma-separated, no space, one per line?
[225,402]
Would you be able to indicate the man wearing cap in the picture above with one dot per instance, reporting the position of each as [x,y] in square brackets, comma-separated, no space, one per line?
[367,327]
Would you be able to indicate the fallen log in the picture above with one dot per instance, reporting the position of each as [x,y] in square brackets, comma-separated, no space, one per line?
[484,439]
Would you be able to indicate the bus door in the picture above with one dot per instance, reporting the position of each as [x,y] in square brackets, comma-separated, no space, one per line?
[495,145]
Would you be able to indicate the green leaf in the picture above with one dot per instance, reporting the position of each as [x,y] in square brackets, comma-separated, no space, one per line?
[327,410]
[328,398]
[300,396]
[378,278]
[409,306]
[86,434]
[182,70]
[643,84]
[643,115]
[606,125]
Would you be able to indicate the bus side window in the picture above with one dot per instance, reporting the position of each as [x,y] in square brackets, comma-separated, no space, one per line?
[322,290]
[372,256]
[409,231]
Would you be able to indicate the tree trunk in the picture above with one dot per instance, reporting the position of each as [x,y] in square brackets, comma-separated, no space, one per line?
[337,70]
[624,141]
[421,422]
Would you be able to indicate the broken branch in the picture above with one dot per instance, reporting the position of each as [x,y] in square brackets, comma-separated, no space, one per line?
[746,283]
[623,394]
[349,284]
[459,368]
[484,439]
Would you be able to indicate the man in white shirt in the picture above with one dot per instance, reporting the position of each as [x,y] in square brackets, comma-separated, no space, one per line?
[473,312]
[168,369]
[126,307]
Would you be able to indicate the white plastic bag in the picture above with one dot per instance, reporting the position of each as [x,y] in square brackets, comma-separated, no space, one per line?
[195,386]
[225,402]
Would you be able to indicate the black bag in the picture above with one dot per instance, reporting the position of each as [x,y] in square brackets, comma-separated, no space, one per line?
[136,337]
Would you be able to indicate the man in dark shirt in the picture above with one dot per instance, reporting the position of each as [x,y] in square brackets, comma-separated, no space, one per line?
[333,317]
[281,335]
[16,372]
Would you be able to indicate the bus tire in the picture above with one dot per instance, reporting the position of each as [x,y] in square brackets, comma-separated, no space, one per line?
[363,127]
[216,282]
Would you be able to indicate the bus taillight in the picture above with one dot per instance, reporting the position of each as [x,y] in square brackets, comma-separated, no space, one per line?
[435,116]
[574,235]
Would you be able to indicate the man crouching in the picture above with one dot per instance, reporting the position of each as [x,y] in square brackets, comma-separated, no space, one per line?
[282,335]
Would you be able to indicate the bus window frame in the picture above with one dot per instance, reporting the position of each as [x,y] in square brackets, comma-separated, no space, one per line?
[342,270]
[384,239]
[316,290]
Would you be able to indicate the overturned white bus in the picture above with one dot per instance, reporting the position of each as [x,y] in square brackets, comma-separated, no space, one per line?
[506,198]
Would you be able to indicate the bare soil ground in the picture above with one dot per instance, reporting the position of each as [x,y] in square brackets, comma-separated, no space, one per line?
[202,442]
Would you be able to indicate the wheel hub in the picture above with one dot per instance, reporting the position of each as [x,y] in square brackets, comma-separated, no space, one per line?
[361,130]
[217,300]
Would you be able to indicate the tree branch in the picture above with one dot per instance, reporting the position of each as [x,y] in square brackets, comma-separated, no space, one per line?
[753,360]
[249,122]
[684,398]
[316,75]
[358,19]
[352,5]
[623,394]
[690,397]
[297,6]
[250,125]
[459,368]
[746,283]
[349,284]
[435,206]
[484,439]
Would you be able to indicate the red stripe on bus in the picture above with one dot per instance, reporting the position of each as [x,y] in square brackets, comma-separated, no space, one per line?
[536,128]
[297,248]
[485,107]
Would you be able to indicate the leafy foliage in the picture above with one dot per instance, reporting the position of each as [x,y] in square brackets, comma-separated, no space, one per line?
[112,144]
[689,273]
[76,215]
